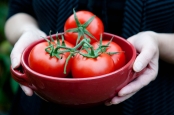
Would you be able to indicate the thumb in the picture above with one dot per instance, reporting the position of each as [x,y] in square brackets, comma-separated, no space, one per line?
[15,55]
[26,39]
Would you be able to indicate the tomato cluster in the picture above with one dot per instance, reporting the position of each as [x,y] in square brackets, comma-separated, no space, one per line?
[82,53]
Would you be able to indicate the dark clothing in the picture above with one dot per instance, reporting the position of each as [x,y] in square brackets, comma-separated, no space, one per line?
[124,18]
[52,14]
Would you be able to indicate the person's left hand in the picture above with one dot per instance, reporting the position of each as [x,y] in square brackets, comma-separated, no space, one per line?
[146,45]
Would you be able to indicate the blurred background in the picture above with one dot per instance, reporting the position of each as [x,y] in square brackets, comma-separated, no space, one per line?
[8,86]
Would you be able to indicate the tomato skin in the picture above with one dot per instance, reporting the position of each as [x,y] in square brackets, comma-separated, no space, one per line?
[83,67]
[40,61]
[96,27]
[119,58]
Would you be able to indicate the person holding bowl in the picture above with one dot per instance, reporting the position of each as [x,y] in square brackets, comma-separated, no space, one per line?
[147,25]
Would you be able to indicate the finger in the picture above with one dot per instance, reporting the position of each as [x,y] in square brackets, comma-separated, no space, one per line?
[19,47]
[146,56]
[141,81]
[27,90]
[144,78]
[117,99]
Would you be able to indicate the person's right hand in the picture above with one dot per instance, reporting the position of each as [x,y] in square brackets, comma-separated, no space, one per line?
[25,40]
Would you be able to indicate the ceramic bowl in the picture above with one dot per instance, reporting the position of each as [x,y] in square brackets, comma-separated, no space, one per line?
[78,91]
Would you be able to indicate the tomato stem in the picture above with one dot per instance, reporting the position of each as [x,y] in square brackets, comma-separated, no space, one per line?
[67,60]
[81,28]
[54,48]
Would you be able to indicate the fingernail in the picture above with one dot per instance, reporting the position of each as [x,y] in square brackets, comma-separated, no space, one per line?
[27,90]
[123,92]
[115,102]
[138,66]
[23,89]
[108,103]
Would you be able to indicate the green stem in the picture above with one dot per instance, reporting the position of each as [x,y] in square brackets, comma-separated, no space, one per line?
[67,60]
[92,53]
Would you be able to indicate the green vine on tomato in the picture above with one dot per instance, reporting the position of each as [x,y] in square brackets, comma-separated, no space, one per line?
[83,51]
[81,28]
[83,24]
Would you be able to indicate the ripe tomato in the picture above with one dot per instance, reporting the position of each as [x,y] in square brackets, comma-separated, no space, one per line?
[40,61]
[96,27]
[118,58]
[83,67]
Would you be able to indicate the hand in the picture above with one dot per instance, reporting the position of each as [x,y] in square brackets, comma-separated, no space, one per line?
[147,45]
[26,39]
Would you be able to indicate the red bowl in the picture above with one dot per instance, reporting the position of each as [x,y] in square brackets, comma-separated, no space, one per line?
[78,91]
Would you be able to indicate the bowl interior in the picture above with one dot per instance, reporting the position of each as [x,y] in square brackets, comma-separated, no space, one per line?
[130,52]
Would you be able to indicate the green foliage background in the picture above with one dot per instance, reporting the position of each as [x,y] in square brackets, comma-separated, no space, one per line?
[8,86]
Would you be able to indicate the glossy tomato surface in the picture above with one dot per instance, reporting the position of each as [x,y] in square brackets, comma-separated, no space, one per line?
[41,61]
[96,27]
[83,67]
[119,58]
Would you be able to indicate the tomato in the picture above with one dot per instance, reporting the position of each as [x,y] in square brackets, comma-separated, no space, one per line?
[96,27]
[83,67]
[118,58]
[40,61]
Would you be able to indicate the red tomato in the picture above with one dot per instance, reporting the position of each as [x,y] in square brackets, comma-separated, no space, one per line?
[83,67]
[118,58]
[40,61]
[96,27]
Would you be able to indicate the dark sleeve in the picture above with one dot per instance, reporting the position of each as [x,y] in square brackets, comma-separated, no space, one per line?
[20,6]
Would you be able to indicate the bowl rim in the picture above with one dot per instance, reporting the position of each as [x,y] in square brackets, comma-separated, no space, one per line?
[24,65]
